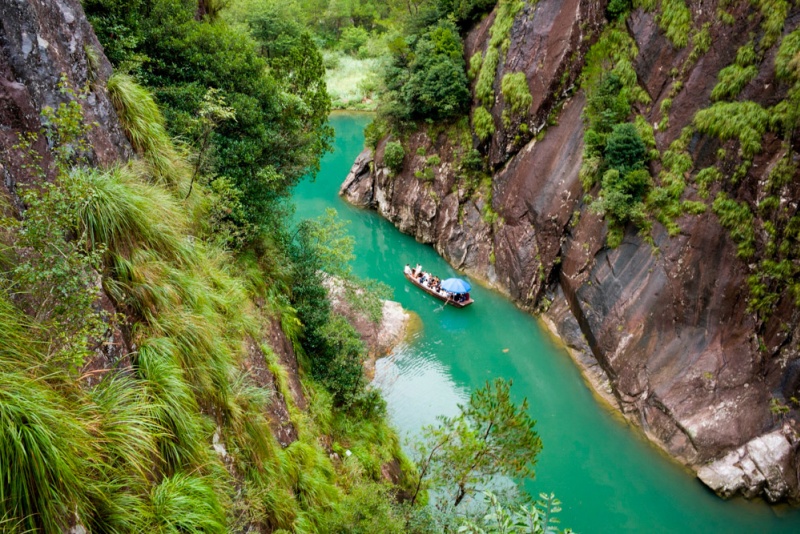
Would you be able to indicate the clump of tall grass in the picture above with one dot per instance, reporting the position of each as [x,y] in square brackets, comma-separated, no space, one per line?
[144,127]
[733,78]
[676,21]
[745,121]
[187,503]
[483,123]
[774,13]
[787,60]
[172,405]
[123,213]
[44,452]
[516,92]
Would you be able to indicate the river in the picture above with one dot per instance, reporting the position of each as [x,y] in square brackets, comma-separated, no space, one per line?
[607,476]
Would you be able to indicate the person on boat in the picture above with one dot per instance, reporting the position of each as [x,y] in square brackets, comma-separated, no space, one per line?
[408,270]
[418,268]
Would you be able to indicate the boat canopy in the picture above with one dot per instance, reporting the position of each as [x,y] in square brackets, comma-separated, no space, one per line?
[456,285]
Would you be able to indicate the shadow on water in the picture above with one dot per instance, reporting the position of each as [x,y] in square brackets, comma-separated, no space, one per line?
[608,477]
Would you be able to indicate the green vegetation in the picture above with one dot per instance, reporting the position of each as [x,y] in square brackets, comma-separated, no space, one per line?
[482,123]
[733,78]
[539,516]
[617,8]
[675,19]
[774,13]
[275,90]
[132,451]
[393,156]
[491,436]
[427,79]
[614,152]
[764,233]
[125,445]
[787,60]
[484,87]
[516,92]
[499,41]
[745,121]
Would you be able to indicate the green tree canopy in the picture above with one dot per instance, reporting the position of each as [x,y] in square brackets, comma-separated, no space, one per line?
[276,90]
[492,436]
[625,150]
[430,79]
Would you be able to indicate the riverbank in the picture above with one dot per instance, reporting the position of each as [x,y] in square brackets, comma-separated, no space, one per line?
[609,477]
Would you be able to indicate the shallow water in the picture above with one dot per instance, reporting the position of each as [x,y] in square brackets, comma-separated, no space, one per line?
[608,478]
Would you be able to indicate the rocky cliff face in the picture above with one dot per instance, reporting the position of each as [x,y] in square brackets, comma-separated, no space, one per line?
[47,47]
[664,325]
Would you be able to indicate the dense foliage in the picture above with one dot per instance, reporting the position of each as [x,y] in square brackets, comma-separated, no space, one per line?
[276,91]
[427,77]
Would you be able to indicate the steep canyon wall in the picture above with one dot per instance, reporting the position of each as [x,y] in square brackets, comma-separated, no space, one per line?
[664,321]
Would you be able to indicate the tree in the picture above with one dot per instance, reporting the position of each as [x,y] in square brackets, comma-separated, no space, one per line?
[491,437]
[625,150]
[437,87]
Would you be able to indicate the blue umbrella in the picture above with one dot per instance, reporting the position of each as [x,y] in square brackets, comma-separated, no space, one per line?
[456,285]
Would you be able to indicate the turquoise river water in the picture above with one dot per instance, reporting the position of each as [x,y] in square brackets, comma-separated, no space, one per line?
[607,476]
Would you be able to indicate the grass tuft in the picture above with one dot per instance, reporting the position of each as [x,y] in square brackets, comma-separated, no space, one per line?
[144,127]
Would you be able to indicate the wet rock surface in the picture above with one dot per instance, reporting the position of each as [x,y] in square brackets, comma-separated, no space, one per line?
[661,328]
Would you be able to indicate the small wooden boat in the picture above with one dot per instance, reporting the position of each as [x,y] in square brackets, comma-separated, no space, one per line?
[443,296]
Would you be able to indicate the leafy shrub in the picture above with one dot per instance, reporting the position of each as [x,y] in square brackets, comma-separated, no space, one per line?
[353,38]
[621,201]
[616,8]
[516,92]
[483,123]
[607,105]
[375,131]
[393,156]
[625,151]
[473,160]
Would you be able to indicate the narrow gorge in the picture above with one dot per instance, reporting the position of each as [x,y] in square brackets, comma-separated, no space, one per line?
[685,312]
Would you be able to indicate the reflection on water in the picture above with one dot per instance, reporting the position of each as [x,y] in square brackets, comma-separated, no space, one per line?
[417,387]
[607,476]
